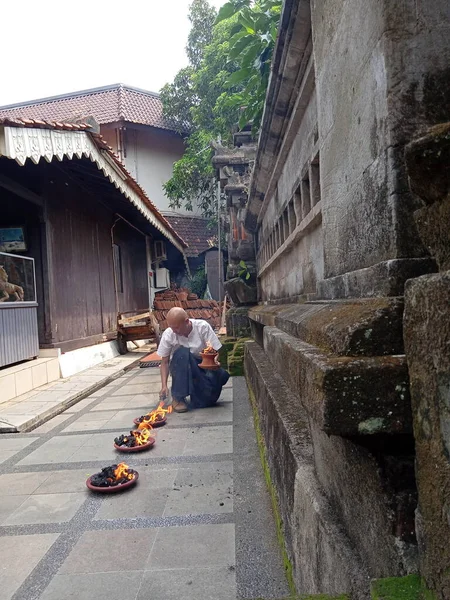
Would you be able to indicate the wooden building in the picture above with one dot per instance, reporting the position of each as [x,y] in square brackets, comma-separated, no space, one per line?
[90,228]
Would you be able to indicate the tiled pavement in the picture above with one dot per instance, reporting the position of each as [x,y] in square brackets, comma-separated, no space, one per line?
[197,526]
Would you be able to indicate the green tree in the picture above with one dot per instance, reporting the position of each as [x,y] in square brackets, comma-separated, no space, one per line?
[251,48]
[224,84]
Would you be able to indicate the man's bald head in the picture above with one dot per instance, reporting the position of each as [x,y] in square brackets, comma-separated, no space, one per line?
[178,321]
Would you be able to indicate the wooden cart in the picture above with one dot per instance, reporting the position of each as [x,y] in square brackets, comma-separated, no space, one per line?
[136,325]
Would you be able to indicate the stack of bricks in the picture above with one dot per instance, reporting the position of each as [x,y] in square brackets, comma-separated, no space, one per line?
[209,310]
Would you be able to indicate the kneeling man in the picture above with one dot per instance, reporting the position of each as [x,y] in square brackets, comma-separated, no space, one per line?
[179,348]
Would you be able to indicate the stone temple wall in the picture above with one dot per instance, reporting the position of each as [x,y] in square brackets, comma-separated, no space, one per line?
[351,389]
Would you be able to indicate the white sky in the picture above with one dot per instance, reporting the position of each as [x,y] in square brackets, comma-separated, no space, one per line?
[53,47]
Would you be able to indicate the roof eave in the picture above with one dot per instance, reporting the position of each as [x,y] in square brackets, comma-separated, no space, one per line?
[293,34]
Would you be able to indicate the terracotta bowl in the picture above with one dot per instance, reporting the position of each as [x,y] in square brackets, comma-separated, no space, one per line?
[146,446]
[114,488]
[159,423]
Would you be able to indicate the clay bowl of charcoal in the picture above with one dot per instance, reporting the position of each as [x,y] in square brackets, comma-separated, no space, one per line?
[136,441]
[113,479]
[159,421]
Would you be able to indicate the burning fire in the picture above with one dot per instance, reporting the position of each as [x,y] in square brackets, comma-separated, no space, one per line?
[209,349]
[113,475]
[136,438]
[141,437]
[158,414]
[123,472]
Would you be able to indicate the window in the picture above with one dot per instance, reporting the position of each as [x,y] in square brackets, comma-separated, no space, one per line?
[298,205]
[286,223]
[314,177]
[306,196]
[118,277]
[291,216]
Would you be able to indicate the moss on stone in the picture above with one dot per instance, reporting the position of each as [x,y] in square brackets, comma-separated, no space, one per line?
[314,597]
[410,587]
[227,347]
[235,358]
[272,492]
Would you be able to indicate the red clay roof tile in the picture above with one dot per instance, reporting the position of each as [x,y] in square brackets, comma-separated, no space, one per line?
[107,104]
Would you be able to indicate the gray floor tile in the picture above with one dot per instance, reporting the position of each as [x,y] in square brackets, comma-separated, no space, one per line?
[46,508]
[197,501]
[18,557]
[21,483]
[15,444]
[148,498]
[52,423]
[6,454]
[130,505]
[222,411]
[81,405]
[58,482]
[103,440]
[203,441]
[56,450]
[86,425]
[195,545]
[91,453]
[106,551]
[189,584]
[133,388]
[201,489]
[101,586]
[92,416]
[123,418]
[8,504]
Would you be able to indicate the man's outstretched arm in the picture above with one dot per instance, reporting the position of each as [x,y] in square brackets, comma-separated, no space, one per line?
[164,377]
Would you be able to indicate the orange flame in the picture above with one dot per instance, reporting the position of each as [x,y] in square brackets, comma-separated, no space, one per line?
[122,472]
[157,414]
[209,349]
[142,437]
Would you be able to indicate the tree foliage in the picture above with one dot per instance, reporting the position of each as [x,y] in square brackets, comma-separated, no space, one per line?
[223,87]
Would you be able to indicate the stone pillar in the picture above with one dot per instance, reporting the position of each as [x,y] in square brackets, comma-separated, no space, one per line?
[427,345]
[233,169]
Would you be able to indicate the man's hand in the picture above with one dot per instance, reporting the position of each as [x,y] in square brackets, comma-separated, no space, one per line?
[163,394]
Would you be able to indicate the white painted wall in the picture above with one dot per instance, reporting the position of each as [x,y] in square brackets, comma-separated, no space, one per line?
[150,154]
[149,157]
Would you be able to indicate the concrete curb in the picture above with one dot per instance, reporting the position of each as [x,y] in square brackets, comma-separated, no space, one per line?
[76,397]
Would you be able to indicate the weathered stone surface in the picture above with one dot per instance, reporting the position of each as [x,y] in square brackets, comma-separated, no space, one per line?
[246,250]
[240,292]
[344,396]
[373,493]
[432,224]
[322,557]
[237,322]
[427,344]
[383,279]
[365,327]
[428,164]
[388,87]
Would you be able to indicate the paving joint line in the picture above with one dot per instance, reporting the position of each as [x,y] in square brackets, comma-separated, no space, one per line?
[137,462]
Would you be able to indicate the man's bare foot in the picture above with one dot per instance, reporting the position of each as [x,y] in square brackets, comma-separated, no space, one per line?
[179,406]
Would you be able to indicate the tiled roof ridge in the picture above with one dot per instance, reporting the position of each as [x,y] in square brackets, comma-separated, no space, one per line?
[79,93]
[120,110]
[110,104]
[102,144]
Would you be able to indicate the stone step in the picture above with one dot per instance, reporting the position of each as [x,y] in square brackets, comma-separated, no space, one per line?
[368,327]
[345,396]
[324,561]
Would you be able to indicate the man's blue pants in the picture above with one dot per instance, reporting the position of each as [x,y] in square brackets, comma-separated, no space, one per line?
[203,386]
